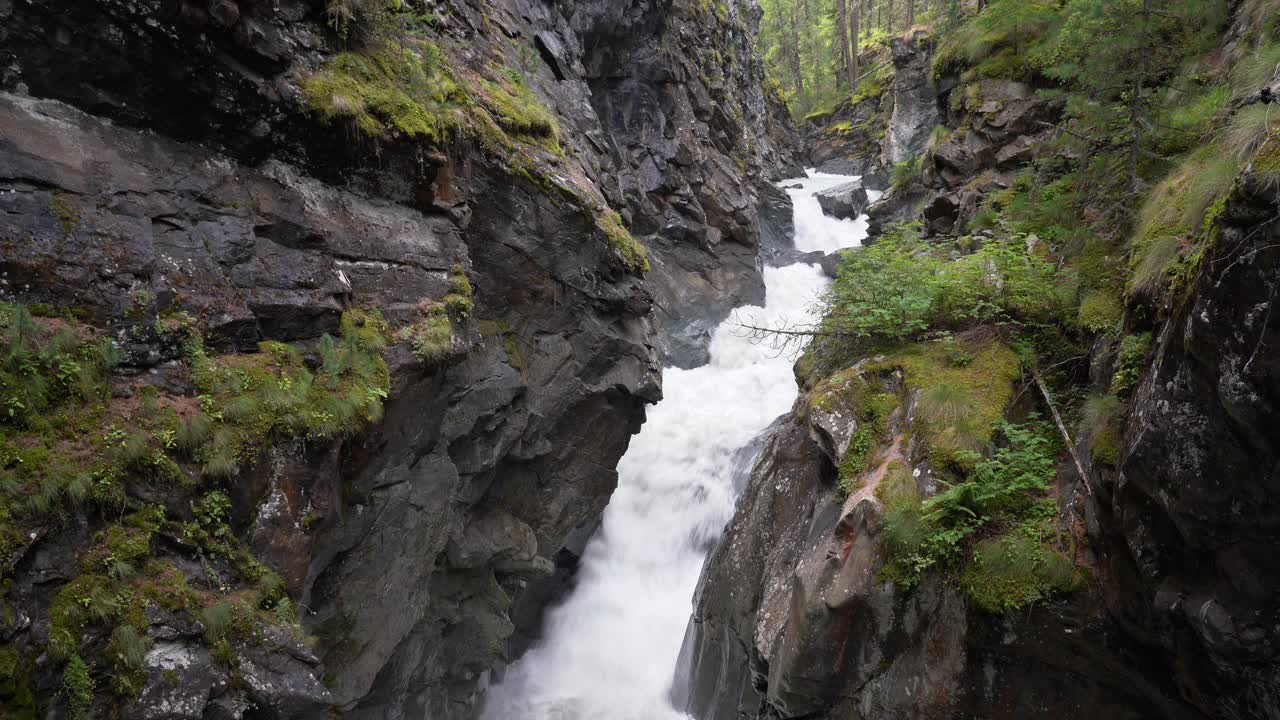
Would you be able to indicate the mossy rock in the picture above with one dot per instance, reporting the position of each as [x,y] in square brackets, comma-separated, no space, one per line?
[986,377]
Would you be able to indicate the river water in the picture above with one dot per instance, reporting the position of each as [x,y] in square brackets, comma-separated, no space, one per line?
[609,650]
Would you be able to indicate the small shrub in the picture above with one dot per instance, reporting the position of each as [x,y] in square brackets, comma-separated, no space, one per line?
[78,684]
[1130,363]
[907,172]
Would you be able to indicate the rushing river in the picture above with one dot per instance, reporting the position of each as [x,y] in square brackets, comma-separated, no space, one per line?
[609,650]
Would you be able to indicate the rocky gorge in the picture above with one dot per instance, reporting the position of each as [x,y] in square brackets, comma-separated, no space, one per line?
[327,326]
[512,214]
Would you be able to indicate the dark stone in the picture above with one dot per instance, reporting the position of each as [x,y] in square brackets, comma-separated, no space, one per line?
[845,202]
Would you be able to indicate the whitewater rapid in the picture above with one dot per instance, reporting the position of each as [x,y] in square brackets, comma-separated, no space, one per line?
[609,650]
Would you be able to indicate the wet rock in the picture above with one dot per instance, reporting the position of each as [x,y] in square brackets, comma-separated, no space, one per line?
[1192,509]
[915,99]
[845,202]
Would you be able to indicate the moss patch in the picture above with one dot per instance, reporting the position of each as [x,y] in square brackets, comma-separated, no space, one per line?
[986,376]
[392,87]
[633,255]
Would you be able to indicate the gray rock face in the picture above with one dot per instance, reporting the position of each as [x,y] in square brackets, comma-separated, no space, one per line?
[175,136]
[1192,510]
[915,99]
[844,202]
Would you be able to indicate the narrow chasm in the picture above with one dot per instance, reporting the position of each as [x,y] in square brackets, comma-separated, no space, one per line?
[639,359]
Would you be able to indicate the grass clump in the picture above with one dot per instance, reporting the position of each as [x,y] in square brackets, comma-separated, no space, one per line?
[1018,568]
[907,172]
[1100,427]
[431,337]
[394,87]
[44,364]
[252,399]
[79,685]
[1173,217]
[960,404]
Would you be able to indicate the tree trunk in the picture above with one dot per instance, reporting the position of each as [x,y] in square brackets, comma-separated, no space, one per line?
[888,14]
[854,30]
[842,37]
[794,54]
[911,13]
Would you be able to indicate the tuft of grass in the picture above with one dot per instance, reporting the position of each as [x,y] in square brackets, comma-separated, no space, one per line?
[430,338]
[391,88]
[218,620]
[1255,70]
[1174,215]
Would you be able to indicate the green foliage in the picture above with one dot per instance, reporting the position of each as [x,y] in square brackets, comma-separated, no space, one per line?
[1130,363]
[960,402]
[897,289]
[251,400]
[998,41]
[907,172]
[79,685]
[430,338]
[66,213]
[1005,501]
[42,366]
[1255,70]
[459,299]
[1173,216]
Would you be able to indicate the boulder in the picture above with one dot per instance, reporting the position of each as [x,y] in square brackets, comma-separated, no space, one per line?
[846,201]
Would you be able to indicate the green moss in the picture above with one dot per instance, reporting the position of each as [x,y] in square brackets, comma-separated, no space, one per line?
[66,213]
[633,255]
[459,299]
[517,110]
[391,88]
[1018,568]
[500,329]
[897,485]
[253,399]
[1104,447]
[987,379]
[871,409]
[1100,312]
[1172,219]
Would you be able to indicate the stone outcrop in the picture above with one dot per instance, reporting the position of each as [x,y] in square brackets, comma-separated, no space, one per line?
[1191,512]
[844,202]
[157,157]
[793,620]
[915,99]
